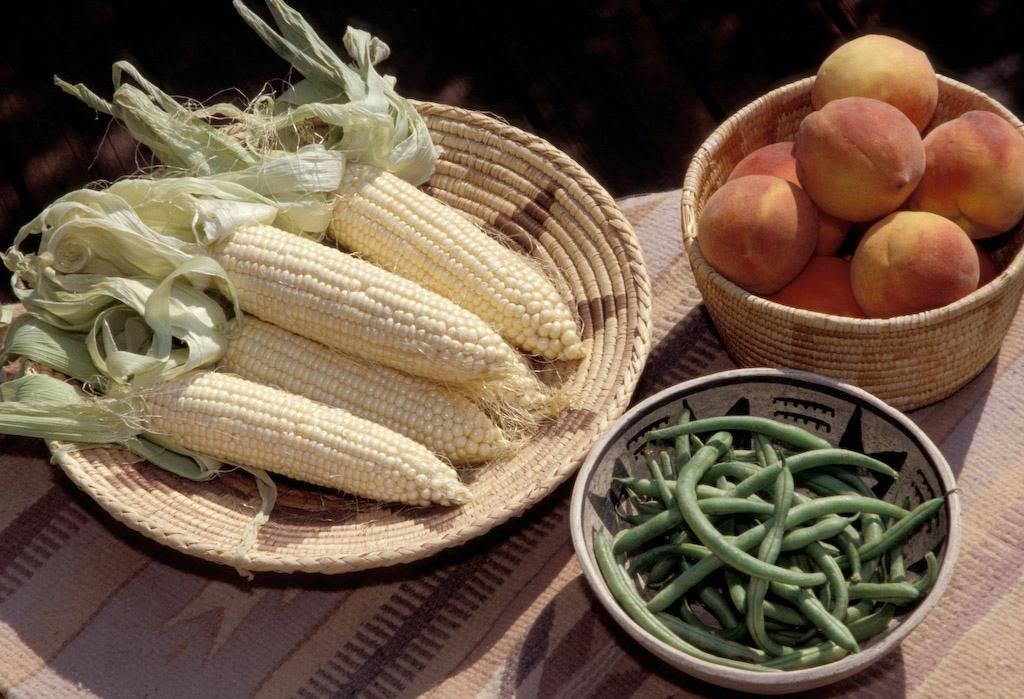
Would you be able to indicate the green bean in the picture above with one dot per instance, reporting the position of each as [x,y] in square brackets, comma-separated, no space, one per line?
[824,484]
[829,547]
[711,642]
[894,556]
[745,455]
[629,539]
[858,611]
[871,625]
[818,655]
[759,480]
[871,532]
[648,507]
[789,434]
[792,638]
[650,526]
[897,567]
[839,595]
[768,553]
[847,544]
[703,494]
[672,551]
[661,570]
[824,594]
[811,608]
[736,589]
[901,530]
[636,486]
[733,469]
[641,506]
[730,506]
[833,460]
[772,610]
[688,506]
[687,615]
[718,606]
[852,479]
[902,591]
[642,486]
[682,444]
[715,603]
[862,630]
[925,582]
[637,519]
[667,499]
[825,528]
[799,514]
[708,491]
[626,595]
[766,456]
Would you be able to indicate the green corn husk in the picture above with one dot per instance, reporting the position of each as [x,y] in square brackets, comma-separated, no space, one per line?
[351,109]
[178,137]
[369,121]
[46,407]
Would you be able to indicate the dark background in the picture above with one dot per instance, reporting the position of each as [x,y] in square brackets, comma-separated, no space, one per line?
[629,88]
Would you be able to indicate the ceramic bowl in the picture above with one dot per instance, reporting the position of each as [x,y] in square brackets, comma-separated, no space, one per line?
[842,414]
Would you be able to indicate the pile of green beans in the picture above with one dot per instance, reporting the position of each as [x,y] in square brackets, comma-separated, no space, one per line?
[774,558]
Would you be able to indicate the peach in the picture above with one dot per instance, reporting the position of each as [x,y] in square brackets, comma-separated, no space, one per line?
[758,232]
[831,234]
[858,158]
[823,286]
[882,68]
[974,174]
[912,261]
[774,159]
[778,159]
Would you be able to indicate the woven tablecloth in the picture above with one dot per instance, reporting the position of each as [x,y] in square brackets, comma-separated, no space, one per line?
[88,608]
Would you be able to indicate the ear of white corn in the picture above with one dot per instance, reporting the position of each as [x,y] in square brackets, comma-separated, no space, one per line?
[396,225]
[349,304]
[443,420]
[243,422]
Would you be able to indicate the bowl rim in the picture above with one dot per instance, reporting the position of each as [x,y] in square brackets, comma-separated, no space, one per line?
[976,299]
[749,679]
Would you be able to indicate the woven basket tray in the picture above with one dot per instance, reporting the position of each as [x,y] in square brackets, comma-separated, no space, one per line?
[908,361]
[526,192]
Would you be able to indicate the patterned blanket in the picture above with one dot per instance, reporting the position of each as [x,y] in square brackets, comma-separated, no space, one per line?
[89,608]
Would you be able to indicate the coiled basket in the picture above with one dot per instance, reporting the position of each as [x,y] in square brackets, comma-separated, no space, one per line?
[537,199]
[907,361]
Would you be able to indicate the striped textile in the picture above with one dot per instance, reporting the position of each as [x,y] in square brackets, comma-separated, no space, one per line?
[88,608]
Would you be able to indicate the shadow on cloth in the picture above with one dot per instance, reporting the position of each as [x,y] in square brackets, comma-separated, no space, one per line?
[180,618]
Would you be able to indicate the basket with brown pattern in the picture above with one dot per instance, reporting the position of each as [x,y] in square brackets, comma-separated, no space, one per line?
[908,361]
[522,190]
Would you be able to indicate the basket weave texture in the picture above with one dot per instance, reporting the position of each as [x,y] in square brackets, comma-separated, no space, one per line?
[907,361]
[526,192]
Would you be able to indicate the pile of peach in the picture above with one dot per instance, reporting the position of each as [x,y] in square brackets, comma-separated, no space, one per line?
[860,178]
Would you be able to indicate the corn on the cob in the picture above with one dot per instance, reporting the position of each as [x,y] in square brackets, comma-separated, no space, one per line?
[444,421]
[401,228]
[239,421]
[351,305]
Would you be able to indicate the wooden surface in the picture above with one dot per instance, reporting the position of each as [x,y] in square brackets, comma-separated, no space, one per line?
[629,88]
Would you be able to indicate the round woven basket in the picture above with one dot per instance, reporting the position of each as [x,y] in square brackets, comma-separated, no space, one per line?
[907,361]
[535,197]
